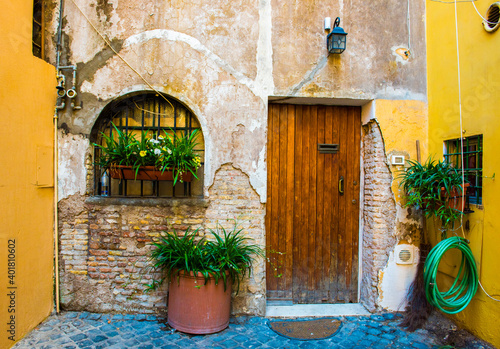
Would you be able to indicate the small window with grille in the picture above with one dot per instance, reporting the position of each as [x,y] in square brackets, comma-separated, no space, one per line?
[468,154]
[37,40]
[152,116]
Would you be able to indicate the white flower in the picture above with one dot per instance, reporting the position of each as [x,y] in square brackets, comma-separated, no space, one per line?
[154,141]
[169,151]
[157,151]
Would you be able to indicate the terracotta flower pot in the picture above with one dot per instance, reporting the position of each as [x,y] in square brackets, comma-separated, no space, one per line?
[198,308]
[454,200]
[146,173]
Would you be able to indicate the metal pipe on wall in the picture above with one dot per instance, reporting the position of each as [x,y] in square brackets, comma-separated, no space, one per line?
[56,167]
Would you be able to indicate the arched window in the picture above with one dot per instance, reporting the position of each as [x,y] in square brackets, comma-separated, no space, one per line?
[149,116]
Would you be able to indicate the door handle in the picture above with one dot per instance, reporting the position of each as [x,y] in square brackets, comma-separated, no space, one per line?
[341,185]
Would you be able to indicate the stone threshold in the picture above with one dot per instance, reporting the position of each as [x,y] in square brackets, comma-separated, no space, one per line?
[315,310]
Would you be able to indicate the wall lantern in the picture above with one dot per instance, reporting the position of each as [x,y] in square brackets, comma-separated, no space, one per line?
[336,41]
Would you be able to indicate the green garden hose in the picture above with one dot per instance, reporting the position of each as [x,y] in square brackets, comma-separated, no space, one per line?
[465,285]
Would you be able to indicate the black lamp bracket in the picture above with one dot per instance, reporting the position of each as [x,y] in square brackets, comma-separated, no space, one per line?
[337,22]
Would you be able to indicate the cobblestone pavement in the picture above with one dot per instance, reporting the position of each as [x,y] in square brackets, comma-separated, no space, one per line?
[89,330]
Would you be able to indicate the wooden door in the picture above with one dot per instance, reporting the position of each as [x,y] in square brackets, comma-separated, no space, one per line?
[312,214]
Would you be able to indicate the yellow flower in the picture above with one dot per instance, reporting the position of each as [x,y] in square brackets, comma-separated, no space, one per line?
[142,153]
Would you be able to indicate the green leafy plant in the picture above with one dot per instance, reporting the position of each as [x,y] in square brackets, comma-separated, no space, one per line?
[227,254]
[429,186]
[168,151]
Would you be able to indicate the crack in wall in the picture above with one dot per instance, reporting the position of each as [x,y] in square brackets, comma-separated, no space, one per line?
[309,76]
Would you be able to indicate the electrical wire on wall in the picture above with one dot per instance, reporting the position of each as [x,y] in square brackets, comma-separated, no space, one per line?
[120,56]
[408,24]
[479,14]
[473,4]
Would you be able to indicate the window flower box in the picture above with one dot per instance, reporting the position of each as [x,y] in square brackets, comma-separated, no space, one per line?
[168,157]
[146,173]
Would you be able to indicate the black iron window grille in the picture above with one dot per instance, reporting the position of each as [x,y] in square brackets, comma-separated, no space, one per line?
[152,114]
[472,154]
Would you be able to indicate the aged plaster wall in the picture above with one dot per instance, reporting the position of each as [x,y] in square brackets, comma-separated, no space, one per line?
[395,280]
[387,223]
[222,81]
[371,66]
[223,60]
[72,172]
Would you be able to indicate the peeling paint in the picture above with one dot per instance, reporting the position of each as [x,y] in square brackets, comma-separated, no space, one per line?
[259,178]
[72,176]
[264,79]
[195,44]
[402,54]
[394,282]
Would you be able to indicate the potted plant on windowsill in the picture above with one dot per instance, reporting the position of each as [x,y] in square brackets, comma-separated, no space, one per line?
[167,157]
[436,188]
[201,273]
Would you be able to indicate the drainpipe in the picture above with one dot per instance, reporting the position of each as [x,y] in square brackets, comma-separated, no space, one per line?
[56,159]
[56,214]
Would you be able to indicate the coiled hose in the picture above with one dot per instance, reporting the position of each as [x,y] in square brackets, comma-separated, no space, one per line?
[465,285]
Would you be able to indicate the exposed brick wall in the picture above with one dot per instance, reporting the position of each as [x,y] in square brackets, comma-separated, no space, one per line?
[105,244]
[233,198]
[379,214]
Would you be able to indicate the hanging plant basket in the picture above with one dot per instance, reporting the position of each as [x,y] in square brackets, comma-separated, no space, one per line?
[145,173]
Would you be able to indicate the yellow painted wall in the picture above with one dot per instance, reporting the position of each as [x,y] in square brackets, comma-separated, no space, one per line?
[480,84]
[402,123]
[27,99]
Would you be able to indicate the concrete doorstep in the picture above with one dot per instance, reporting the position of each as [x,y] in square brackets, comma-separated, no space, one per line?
[315,310]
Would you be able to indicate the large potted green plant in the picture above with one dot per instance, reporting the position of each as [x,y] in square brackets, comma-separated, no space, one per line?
[436,188]
[166,157]
[201,273]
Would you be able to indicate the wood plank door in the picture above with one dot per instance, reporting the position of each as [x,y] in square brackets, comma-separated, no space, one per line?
[312,218]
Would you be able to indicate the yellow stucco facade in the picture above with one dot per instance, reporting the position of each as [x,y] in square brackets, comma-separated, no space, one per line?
[480,85]
[27,97]
[403,123]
